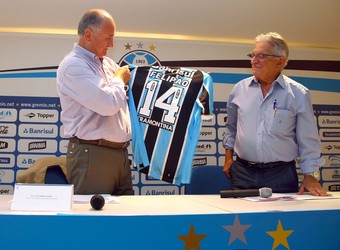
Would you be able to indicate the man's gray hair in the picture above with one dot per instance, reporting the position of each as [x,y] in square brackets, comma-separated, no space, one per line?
[279,43]
[92,18]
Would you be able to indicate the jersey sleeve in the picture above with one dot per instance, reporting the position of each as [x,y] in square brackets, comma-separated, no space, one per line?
[207,96]
[138,147]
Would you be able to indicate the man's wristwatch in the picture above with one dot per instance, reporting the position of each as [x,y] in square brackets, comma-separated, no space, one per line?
[315,175]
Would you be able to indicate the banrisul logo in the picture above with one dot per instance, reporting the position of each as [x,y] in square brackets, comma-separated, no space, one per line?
[139,58]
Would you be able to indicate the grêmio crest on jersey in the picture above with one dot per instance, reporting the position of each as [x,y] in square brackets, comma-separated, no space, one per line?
[166,104]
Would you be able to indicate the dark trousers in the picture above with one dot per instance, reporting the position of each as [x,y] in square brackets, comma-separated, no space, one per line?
[282,179]
[98,170]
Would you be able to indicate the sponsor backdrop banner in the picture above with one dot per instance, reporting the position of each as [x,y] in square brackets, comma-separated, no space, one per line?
[30,126]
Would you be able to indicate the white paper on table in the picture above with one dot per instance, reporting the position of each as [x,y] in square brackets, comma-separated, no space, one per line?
[289,197]
[42,197]
[85,199]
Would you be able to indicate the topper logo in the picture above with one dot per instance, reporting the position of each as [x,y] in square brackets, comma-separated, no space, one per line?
[45,116]
[30,115]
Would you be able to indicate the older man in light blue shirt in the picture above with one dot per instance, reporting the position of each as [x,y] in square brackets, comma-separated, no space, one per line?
[93,99]
[270,125]
[95,113]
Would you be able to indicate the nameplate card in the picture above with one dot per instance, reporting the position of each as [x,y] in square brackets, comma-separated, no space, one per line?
[42,197]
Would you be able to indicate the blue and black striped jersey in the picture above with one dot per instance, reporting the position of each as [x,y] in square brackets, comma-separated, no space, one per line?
[166,104]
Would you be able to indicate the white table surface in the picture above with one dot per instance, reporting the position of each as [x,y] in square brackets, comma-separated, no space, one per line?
[301,203]
[186,204]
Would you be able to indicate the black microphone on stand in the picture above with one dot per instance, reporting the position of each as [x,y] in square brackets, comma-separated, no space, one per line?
[262,192]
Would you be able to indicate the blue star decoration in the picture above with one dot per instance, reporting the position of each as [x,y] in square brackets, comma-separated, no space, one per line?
[237,231]
[192,239]
[280,236]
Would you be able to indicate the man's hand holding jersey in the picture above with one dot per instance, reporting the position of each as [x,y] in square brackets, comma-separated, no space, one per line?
[123,73]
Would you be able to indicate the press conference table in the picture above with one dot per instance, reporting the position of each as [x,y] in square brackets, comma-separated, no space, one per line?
[176,222]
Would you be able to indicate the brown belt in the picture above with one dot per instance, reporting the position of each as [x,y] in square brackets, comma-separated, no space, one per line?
[101,142]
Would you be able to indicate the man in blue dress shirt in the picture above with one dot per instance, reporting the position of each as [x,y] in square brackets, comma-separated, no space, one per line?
[271,125]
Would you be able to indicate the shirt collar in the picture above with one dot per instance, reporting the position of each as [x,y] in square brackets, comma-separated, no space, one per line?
[279,80]
[88,55]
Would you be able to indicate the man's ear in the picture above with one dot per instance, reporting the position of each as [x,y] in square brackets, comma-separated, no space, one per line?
[281,61]
[88,34]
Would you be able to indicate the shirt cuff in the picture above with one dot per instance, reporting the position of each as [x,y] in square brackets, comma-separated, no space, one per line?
[311,165]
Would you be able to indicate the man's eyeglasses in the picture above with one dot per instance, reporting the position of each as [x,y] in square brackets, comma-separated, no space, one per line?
[261,56]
